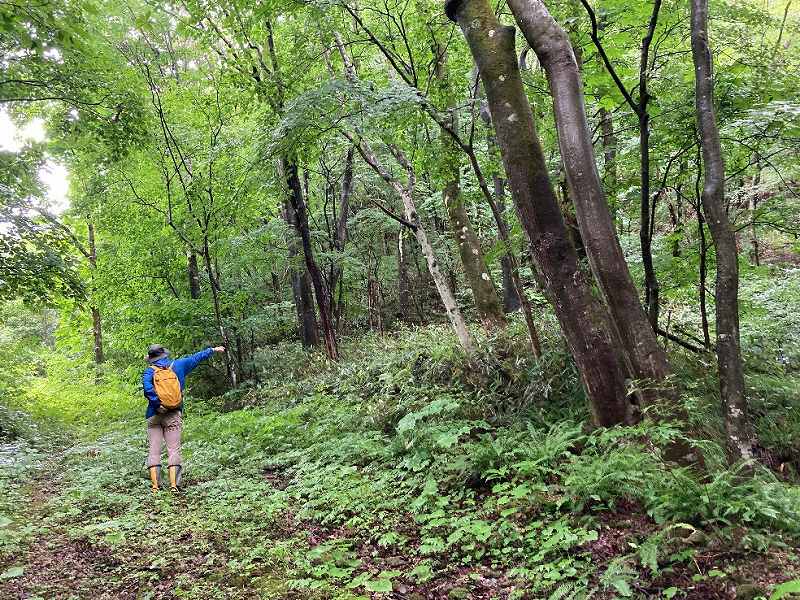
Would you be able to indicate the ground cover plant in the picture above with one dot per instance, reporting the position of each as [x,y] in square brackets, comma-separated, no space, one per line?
[468,299]
[389,473]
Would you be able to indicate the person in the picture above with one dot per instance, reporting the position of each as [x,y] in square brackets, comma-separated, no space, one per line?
[163,382]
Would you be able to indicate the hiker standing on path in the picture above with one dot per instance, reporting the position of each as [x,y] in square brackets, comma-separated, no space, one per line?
[163,382]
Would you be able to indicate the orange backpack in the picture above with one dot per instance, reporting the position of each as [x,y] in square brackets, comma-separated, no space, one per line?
[167,386]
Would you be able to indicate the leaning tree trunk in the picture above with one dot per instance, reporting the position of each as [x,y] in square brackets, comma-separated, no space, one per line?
[301,214]
[413,221]
[583,319]
[645,358]
[480,282]
[741,439]
[510,264]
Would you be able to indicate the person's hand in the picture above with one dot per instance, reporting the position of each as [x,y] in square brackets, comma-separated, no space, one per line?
[219,349]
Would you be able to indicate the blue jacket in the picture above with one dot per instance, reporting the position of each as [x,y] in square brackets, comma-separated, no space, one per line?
[181,366]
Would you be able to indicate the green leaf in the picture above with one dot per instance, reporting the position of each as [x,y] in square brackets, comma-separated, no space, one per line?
[12,572]
[784,589]
[622,587]
[379,585]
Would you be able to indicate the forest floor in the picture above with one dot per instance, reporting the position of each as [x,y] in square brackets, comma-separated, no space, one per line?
[219,540]
[391,475]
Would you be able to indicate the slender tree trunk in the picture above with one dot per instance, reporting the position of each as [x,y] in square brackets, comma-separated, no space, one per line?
[703,276]
[511,300]
[340,235]
[652,300]
[641,111]
[645,358]
[97,326]
[741,438]
[609,142]
[301,284]
[677,226]
[752,208]
[480,282]
[445,293]
[193,274]
[583,319]
[215,289]
[404,294]
[301,222]
[413,221]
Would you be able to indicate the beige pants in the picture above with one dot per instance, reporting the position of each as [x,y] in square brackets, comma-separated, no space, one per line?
[164,428]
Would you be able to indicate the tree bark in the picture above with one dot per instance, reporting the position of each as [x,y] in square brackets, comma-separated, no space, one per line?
[497,204]
[308,328]
[480,282]
[741,438]
[404,294]
[609,142]
[298,204]
[583,319]
[193,273]
[646,359]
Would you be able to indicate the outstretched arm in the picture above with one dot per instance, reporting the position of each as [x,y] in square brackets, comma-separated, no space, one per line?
[187,364]
[149,390]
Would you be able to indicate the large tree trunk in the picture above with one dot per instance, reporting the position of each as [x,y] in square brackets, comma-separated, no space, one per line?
[301,222]
[645,358]
[609,143]
[510,264]
[741,439]
[583,319]
[194,274]
[97,326]
[480,282]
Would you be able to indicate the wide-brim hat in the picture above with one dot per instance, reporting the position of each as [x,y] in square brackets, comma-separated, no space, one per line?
[156,352]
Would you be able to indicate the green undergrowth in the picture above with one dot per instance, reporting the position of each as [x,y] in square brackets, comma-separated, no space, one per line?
[404,469]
